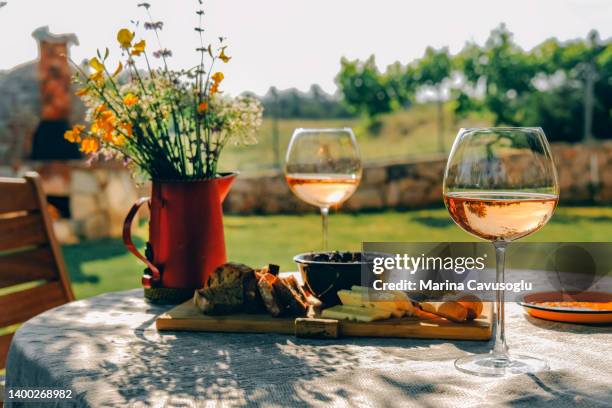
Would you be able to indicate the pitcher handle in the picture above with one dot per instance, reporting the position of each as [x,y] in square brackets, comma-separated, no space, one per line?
[152,276]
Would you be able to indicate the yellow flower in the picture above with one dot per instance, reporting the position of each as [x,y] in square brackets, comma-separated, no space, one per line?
[95,128]
[108,116]
[90,145]
[224,57]
[74,135]
[98,75]
[118,140]
[202,107]
[125,37]
[98,78]
[139,48]
[96,64]
[130,100]
[104,123]
[108,137]
[112,137]
[101,128]
[99,109]
[218,77]
[127,128]
[82,92]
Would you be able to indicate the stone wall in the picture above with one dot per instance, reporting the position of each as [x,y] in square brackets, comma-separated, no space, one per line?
[585,176]
[99,201]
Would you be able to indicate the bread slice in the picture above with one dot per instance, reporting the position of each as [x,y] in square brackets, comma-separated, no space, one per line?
[227,290]
[253,302]
[228,273]
[291,296]
[266,286]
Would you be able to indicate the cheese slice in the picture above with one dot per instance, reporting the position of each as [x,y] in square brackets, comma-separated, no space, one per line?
[396,294]
[375,300]
[358,313]
[386,299]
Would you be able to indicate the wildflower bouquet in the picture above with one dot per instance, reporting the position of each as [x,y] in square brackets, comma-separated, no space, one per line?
[170,125]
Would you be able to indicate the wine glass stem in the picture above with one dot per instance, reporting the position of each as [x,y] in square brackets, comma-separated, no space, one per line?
[500,346]
[324,216]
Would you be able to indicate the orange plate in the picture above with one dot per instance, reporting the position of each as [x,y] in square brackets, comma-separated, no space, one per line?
[568,314]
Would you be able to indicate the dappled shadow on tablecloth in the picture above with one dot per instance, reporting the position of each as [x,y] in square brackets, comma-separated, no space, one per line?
[109,353]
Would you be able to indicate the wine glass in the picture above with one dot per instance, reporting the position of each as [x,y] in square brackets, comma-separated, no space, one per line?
[323,168]
[500,185]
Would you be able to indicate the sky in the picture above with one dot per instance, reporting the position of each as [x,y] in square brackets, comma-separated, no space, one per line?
[290,43]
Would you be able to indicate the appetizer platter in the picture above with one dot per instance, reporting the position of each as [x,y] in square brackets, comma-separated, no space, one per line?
[238,298]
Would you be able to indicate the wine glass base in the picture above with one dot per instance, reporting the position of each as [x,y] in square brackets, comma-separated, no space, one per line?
[500,365]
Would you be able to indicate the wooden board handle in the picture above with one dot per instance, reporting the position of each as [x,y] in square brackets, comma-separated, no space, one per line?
[316,328]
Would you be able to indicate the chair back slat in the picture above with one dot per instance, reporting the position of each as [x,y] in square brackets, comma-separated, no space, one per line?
[5,343]
[17,307]
[17,195]
[27,266]
[33,277]
[21,231]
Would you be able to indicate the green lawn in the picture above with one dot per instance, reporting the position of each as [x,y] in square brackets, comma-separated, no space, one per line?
[101,266]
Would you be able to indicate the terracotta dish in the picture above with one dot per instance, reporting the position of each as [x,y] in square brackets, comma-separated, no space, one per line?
[583,307]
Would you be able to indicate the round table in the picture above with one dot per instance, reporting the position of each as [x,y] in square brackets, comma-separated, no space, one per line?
[108,352]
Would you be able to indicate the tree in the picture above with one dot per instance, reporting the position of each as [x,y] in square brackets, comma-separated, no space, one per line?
[578,107]
[581,60]
[602,115]
[563,87]
[432,71]
[363,88]
[401,84]
[504,70]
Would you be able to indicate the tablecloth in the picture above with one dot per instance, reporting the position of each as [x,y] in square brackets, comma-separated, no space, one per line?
[107,350]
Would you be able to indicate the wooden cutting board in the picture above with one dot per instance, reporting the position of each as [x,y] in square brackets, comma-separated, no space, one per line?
[187,317]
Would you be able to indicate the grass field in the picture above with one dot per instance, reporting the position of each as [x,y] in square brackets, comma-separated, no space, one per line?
[403,134]
[101,266]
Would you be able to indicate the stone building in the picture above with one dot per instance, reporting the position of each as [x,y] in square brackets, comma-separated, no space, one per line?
[37,106]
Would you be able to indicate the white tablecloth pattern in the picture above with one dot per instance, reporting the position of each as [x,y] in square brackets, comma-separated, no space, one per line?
[107,350]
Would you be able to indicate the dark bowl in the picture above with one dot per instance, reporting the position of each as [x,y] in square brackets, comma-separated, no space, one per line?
[324,278]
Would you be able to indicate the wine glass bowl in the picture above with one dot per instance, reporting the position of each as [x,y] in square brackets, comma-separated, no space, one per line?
[319,191]
[500,185]
[323,168]
[500,216]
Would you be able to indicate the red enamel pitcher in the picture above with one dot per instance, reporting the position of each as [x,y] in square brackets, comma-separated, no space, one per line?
[186,240]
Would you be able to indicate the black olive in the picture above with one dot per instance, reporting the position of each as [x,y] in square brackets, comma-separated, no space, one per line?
[335,257]
[347,257]
[320,258]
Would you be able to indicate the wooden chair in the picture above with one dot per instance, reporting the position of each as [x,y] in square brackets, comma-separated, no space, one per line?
[33,277]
